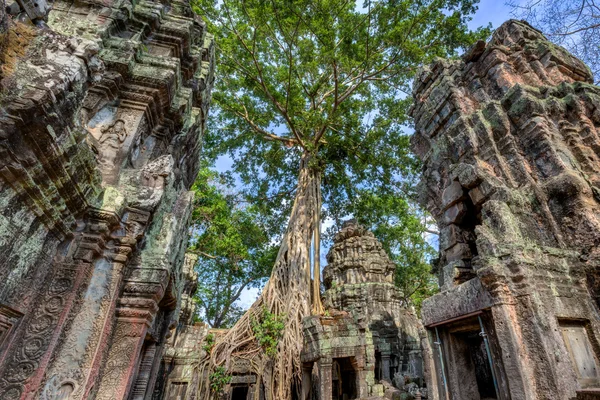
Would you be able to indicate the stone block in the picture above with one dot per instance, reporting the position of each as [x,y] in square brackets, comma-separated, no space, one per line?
[452,194]
[477,196]
[449,236]
[378,390]
[455,214]
[449,273]
[460,251]
[12,7]
[466,175]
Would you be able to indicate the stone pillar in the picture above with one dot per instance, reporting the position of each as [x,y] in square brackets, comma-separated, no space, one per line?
[78,360]
[325,378]
[74,362]
[306,380]
[385,367]
[123,359]
[137,308]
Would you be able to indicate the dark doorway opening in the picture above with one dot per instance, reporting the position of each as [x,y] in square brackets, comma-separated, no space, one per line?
[477,361]
[344,379]
[239,393]
[481,365]
[377,366]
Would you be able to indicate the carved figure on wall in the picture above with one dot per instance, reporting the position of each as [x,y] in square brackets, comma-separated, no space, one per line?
[111,141]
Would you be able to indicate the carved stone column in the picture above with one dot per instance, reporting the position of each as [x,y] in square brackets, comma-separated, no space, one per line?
[78,359]
[325,378]
[137,308]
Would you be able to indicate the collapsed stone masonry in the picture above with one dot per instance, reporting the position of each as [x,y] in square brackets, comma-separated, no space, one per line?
[101,123]
[509,138]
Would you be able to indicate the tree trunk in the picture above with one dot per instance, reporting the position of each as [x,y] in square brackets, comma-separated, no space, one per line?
[317,306]
[286,293]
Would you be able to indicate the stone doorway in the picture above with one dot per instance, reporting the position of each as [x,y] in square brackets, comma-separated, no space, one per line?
[462,352]
[344,379]
[239,392]
[479,365]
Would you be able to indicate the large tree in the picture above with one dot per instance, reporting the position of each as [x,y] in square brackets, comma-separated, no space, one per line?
[312,102]
[234,245]
[574,24]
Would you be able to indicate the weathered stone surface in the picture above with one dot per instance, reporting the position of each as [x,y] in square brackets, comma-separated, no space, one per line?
[515,125]
[371,335]
[101,125]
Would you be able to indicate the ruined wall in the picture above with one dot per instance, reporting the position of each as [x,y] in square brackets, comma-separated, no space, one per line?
[101,124]
[509,138]
[370,339]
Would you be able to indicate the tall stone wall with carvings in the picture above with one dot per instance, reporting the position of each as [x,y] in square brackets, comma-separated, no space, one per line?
[509,138]
[101,125]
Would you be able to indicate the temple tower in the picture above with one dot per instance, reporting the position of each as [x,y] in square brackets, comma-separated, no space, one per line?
[509,138]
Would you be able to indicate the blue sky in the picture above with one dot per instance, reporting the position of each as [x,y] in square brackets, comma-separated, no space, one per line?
[494,11]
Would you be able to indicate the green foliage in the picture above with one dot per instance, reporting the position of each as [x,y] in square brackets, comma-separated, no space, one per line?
[268,329]
[209,342]
[331,79]
[219,378]
[234,248]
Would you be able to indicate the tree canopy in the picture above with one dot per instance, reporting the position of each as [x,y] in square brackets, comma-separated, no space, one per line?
[234,247]
[311,105]
[333,79]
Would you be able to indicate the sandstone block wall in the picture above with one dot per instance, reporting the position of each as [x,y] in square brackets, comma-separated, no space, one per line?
[509,138]
[101,126]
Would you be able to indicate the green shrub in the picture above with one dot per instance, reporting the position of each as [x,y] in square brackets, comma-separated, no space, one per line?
[268,330]
[209,342]
[219,379]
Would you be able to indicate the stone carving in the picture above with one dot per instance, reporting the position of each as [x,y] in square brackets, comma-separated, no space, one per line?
[91,248]
[509,138]
[371,334]
[111,141]
[37,336]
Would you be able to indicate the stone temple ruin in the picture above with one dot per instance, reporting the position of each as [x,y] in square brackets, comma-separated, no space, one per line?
[371,336]
[509,138]
[369,340]
[100,135]
[100,132]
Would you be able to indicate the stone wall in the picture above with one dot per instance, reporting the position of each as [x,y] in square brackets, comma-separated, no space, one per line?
[370,339]
[509,138]
[101,125]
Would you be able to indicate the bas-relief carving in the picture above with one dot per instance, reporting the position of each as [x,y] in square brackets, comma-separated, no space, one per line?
[118,136]
[111,141]
[37,335]
[87,331]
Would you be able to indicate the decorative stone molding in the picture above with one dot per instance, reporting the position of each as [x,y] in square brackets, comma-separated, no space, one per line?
[509,138]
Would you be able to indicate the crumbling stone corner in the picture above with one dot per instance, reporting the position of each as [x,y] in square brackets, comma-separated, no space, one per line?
[509,138]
